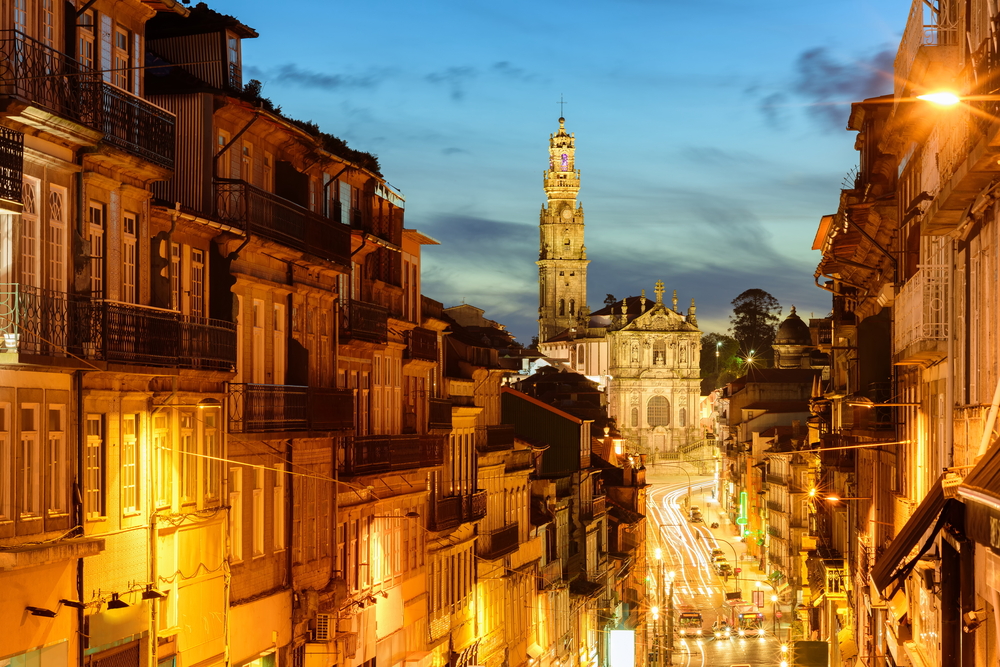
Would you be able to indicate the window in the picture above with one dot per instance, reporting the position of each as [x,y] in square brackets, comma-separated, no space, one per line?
[659,352]
[57,239]
[236,514]
[197,291]
[572,307]
[21,15]
[268,173]
[122,59]
[58,460]
[278,347]
[682,417]
[213,449]
[233,55]
[634,422]
[279,508]
[562,306]
[258,512]
[29,233]
[164,453]
[95,236]
[129,462]
[48,35]
[188,461]
[93,468]
[257,342]
[224,160]
[129,259]
[6,465]
[175,275]
[658,411]
[31,463]
[85,40]
[246,163]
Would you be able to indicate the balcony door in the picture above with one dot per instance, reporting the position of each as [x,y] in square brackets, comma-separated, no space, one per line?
[279,353]
[258,341]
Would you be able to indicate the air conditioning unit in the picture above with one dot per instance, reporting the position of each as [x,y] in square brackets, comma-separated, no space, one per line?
[345,624]
[349,640]
[325,624]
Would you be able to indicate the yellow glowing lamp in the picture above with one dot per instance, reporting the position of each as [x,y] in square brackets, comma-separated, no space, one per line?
[944,98]
[658,553]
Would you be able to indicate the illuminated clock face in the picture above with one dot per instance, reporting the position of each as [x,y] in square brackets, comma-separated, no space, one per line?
[565,161]
[567,214]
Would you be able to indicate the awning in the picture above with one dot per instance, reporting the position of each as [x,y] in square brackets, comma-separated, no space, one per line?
[899,605]
[887,567]
[848,647]
[982,484]
[534,651]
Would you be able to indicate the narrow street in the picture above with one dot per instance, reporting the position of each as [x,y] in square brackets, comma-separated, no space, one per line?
[697,587]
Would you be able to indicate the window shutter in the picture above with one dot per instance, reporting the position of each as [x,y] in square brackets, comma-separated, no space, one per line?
[106,42]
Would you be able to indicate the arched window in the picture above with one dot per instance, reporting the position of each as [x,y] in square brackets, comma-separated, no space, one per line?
[562,306]
[658,411]
[582,355]
[682,417]
[572,357]
[659,353]
[572,306]
[635,418]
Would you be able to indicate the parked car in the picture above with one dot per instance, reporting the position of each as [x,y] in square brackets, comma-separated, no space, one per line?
[717,552]
[723,567]
[695,514]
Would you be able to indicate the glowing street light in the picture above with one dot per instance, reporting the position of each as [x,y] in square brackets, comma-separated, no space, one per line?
[944,98]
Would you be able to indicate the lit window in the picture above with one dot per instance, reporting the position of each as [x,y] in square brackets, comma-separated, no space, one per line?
[658,411]
[93,467]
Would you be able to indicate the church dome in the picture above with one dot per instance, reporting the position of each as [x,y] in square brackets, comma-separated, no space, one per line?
[793,331]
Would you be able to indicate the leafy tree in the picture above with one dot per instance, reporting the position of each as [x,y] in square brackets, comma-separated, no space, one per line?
[717,371]
[754,323]
[610,300]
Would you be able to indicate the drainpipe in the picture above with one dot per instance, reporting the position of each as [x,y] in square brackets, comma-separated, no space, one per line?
[79,516]
[949,379]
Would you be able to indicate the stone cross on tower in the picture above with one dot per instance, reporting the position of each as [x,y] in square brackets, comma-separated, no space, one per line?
[658,288]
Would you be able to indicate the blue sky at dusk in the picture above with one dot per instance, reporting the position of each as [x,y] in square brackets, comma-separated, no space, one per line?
[710,135]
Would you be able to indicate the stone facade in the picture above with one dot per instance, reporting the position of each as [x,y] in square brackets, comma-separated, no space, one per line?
[562,255]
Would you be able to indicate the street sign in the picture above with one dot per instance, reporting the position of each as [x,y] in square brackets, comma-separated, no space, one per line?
[777,614]
[737,570]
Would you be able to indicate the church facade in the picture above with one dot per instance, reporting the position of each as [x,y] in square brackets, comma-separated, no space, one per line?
[645,354]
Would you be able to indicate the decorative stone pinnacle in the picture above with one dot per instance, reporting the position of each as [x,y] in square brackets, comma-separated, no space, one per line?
[658,288]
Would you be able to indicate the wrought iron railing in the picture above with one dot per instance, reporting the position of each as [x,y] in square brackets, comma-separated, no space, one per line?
[46,78]
[550,574]
[776,506]
[439,413]
[259,212]
[385,453]
[447,513]
[366,321]
[265,408]
[495,437]
[134,125]
[496,543]
[11,164]
[474,506]
[421,344]
[773,478]
[593,507]
[48,323]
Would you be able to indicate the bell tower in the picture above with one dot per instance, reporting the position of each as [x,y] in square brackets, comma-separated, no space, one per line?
[562,255]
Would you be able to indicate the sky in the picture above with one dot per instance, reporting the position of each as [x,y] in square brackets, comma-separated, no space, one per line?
[709,135]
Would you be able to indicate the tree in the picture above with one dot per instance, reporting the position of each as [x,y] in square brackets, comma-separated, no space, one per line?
[717,371]
[610,300]
[754,323]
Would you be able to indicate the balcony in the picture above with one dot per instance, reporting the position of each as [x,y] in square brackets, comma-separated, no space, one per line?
[497,543]
[259,212]
[451,511]
[519,459]
[39,76]
[495,438]
[421,344]
[268,408]
[137,126]
[927,31]
[41,322]
[11,165]
[440,414]
[773,478]
[551,574]
[374,454]
[776,506]
[594,507]
[365,321]
[921,311]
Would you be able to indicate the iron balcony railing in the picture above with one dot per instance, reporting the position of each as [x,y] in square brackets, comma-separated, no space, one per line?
[776,506]
[46,78]
[551,574]
[384,453]
[365,321]
[495,437]
[774,478]
[267,408]
[47,323]
[11,164]
[421,344]
[496,543]
[259,212]
[450,511]
[440,413]
[593,507]
[137,127]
